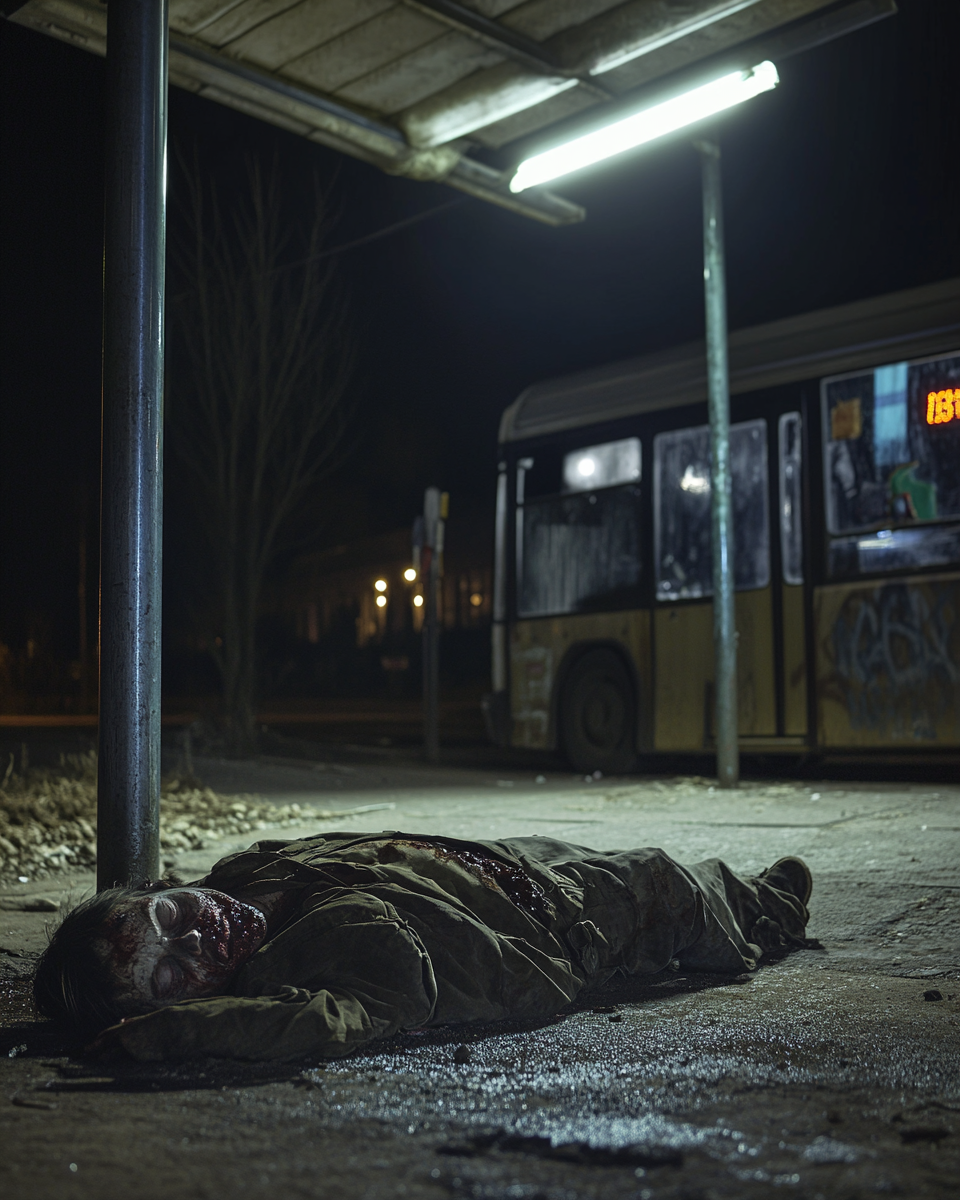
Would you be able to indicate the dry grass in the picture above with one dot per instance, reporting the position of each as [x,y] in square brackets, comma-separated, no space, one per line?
[48,817]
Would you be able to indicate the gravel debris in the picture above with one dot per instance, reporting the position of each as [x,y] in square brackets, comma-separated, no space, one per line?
[48,817]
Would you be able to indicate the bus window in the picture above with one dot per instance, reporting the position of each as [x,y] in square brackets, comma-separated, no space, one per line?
[791,535]
[681,489]
[579,552]
[602,466]
[891,443]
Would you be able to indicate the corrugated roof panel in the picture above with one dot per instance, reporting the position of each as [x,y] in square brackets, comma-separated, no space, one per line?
[444,61]
[243,19]
[722,35]
[541,19]
[190,16]
[364,48]
[557,108]
[494,9]
[292,33]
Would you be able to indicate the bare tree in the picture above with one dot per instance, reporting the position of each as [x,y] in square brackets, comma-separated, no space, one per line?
[260,379]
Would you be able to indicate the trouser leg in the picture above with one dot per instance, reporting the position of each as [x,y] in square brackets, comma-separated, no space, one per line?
[642,910]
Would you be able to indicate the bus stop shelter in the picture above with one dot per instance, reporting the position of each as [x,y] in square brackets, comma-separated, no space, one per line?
[444,91]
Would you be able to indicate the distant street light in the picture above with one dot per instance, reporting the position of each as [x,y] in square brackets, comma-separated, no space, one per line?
[418,602]
[650,123]
[410,574]
[646,125]
[381,585]
[381,602]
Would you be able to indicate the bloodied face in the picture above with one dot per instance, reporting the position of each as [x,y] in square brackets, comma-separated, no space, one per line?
[178,945]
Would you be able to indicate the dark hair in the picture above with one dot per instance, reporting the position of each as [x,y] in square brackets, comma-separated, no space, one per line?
[72,982]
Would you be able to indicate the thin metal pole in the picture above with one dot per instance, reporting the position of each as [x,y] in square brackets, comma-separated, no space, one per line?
[128,836]
[430,574]
[82,603]
[721,498]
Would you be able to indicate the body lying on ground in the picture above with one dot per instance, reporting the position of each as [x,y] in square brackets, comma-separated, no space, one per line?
[318,946]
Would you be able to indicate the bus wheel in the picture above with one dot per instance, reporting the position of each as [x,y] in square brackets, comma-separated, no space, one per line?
[598,714]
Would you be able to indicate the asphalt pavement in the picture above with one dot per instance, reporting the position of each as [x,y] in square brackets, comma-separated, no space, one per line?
[830,1072]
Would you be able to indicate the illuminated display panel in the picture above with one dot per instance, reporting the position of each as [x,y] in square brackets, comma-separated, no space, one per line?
[943,406]
[891,442]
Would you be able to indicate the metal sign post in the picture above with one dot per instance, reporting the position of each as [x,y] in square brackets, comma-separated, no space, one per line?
[128,807]
[435,505]
[721,497]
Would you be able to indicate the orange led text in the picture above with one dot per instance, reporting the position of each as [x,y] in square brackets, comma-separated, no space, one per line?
[943,406]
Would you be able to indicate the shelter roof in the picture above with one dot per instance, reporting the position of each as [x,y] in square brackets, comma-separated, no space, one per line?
[430,89]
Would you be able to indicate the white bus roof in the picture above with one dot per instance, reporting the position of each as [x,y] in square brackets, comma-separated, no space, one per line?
[897,326]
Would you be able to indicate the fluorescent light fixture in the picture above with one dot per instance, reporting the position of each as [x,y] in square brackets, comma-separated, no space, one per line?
[646,125]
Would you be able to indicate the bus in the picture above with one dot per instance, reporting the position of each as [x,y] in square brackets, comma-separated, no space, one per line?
[845,446]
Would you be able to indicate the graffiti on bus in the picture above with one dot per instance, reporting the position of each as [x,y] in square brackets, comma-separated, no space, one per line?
[894,655]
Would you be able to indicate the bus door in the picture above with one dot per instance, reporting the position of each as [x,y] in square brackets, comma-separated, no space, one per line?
[771,665]
[887,615]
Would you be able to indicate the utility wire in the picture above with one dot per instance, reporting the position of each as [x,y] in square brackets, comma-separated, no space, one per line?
[360,241]
[377,233]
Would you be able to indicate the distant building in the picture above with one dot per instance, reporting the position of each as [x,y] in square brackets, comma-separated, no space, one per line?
[374,584]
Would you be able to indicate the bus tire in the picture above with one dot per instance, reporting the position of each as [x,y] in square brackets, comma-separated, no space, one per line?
[598,714]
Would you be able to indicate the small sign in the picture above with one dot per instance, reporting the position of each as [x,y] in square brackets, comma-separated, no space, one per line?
[846,420]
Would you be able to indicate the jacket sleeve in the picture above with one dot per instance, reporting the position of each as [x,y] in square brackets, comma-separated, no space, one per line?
[293,1024]
[344,974]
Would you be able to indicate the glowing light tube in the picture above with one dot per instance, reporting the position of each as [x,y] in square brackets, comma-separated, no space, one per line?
[646,125]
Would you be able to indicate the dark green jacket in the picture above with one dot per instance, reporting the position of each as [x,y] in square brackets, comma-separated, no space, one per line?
[396,931]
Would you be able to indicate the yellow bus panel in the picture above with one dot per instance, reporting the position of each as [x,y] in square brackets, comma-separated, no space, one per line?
[888,662]
[683,712]
[794,662]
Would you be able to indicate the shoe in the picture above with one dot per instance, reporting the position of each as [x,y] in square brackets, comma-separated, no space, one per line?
[791,875]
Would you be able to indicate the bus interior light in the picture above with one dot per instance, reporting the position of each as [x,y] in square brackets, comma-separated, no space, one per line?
[698,485]
[646,125]
[603,465]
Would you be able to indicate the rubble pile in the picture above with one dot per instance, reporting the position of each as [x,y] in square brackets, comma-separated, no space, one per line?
[48,817]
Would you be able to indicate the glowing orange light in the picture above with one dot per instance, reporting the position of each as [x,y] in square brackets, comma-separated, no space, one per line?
[943,406]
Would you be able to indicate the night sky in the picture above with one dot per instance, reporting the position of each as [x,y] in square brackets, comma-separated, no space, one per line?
[843,183]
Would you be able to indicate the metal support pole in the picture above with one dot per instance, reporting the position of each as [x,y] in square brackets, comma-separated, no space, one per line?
[721,498]
[128,811]
[431,560]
